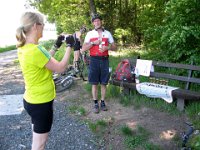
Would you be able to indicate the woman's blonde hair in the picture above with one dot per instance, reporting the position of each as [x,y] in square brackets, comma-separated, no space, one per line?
[28,19]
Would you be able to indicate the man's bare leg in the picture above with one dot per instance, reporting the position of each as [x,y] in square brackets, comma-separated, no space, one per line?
[95,98]
[94,92]
[103,94]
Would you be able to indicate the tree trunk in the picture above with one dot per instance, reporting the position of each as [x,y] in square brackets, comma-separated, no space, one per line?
[92,7]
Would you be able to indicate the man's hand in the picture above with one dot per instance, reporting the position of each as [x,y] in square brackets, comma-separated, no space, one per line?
[104,48]
[97,42]
[70,41]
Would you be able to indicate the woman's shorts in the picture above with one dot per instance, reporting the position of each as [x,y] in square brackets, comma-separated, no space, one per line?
[41,116]
[99,70]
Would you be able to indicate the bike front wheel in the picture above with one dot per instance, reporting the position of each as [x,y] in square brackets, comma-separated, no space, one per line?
[64,84]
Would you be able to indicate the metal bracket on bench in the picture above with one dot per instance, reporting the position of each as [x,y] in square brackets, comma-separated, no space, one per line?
[180,104]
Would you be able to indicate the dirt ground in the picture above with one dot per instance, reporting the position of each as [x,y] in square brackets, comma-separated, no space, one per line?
[163,126]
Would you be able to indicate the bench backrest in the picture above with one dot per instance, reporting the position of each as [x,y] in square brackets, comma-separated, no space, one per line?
[185,78]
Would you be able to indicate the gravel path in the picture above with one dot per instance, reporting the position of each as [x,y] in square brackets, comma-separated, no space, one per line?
[68,132]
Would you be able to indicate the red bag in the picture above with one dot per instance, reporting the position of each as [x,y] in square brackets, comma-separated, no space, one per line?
[124,71]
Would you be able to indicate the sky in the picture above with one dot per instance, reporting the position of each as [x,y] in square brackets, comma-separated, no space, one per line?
[10,13]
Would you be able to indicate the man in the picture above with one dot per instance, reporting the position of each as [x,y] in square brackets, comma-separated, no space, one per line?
[99,41]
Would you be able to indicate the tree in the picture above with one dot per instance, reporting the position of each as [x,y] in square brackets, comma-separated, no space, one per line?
[179,39]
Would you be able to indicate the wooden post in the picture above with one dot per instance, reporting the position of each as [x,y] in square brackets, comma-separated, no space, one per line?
[180,104]
[190,72]
[126,91]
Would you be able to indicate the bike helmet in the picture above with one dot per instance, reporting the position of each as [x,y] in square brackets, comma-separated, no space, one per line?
[96,16]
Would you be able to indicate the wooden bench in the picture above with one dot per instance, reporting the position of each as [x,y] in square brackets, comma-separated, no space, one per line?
[185,76]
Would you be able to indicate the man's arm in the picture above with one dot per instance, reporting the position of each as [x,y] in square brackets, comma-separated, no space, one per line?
[85,47]
[112,47]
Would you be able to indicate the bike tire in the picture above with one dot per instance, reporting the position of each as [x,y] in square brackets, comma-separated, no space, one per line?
[65,84]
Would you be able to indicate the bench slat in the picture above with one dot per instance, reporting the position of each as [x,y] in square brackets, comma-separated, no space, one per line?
[176,65]
[174,77]
[186,94]
[171,65]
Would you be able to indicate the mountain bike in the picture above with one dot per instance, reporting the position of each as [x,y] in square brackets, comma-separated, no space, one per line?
[65,80]
[81,66]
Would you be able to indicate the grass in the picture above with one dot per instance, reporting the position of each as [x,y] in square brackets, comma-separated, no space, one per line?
[193,111]
[80,111]
[98,127]
[126,130]
[137,139]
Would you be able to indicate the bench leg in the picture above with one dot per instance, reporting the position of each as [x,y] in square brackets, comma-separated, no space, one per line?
[180,104]
[126,91]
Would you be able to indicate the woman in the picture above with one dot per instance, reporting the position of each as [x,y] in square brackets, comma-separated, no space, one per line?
[37,65]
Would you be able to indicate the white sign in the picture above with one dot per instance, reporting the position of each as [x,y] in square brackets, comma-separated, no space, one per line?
[156,91]
[144,67]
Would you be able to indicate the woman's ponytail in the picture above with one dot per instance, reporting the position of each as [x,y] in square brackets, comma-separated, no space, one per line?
[21,37]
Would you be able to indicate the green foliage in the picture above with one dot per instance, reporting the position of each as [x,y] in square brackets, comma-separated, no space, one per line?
[169,29]
[193,111]
[7,48]
[47,44]
[69,15]
[122,35]
[177,39]
[195,142]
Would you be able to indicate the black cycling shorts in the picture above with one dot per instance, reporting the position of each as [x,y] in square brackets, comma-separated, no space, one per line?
[41,116]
